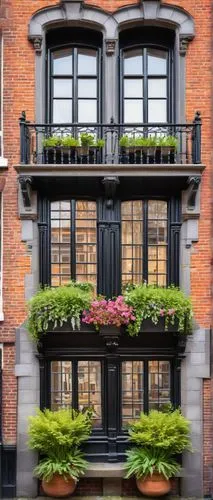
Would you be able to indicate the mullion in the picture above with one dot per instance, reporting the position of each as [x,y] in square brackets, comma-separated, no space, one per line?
[73,239]
[145,86]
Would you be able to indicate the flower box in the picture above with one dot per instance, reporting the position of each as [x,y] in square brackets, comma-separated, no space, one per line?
[147,326]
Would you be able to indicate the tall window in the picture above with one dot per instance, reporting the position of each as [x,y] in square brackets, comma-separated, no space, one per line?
[145,85]
[144,241]
[73,241]
[74,85]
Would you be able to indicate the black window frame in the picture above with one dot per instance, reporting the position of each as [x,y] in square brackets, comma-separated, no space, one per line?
[143,38]
[109,241]
[109,442]
[77,38]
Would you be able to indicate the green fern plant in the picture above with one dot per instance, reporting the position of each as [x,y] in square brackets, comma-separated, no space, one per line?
[158,438]
[142,462]
[57,436]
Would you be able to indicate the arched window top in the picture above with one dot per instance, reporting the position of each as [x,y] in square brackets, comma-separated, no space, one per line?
[147,36]
[73,36]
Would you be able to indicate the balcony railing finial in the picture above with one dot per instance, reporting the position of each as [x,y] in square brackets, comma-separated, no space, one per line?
[197,118]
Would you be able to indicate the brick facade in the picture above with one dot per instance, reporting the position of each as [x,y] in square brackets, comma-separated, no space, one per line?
[18,95]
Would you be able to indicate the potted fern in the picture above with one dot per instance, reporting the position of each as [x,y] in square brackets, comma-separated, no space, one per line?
[60,149]
[168,146]
[88,143]
[57,437]
[158,438]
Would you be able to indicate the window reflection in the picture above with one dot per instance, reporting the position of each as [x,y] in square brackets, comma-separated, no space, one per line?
[87,62]
[80,238]
[133,62]
[159,384]
[132,241]
[62,62]
[132,390]
[157,62]
[89,388]
[61,384]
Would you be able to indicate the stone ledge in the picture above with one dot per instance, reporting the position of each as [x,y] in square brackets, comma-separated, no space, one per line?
[115,470]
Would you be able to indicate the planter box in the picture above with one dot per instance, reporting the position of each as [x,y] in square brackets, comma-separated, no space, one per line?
[147,326]
[72,155]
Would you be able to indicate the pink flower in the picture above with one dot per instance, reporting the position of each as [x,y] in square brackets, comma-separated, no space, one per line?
[109,312]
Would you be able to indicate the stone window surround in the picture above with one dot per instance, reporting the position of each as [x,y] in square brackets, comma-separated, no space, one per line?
[77,13]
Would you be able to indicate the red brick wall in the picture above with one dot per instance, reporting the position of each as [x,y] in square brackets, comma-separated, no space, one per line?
[19,94]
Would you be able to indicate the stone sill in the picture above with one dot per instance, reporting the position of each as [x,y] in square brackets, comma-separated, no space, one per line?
[151,170]
[115,470]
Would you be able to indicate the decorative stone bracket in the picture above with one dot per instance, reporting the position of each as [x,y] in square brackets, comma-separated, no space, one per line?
[192,190]
[184,42]
[26,189]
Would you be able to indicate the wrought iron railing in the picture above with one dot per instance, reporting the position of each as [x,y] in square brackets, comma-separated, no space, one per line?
[113,143]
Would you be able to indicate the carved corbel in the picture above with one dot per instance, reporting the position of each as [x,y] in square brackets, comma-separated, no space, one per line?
[184,42]
[26,189]
[192,190]
[110,46]
[110,184]
[37,43]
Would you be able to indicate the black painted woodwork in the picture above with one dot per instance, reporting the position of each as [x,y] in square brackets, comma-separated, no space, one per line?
[109,442]
[108,240]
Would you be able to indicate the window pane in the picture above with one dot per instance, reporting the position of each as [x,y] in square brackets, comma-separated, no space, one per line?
[132,390]
[61,384]
[60,242]
[62,111]
[87,88]
[62,62]
[157,242]
[89,388]
[87,62]
[159,384]
[157,88]
[132,241]
[133,111]
[87,111]
[157,209]
[157,111]
[86,241]
[133,62]
[62,88]
[157,62]
[133,88]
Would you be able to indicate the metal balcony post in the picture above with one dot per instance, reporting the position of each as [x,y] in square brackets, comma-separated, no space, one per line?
[23,142]
[196,137]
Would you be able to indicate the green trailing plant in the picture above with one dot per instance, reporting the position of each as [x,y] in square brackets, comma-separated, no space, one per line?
[168,141]
[57,436]
[142,462]
[151,302]
[58,306]
[157,437]
[52,141]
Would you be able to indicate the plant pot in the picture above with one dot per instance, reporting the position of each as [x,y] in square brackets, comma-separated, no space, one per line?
[109,331]
[148,326]
[59,487]
[154,486]
[149,150]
